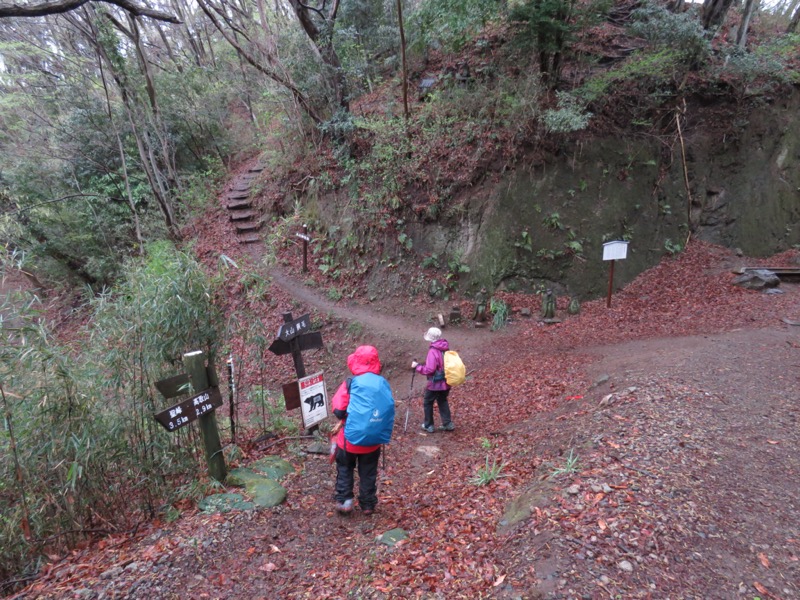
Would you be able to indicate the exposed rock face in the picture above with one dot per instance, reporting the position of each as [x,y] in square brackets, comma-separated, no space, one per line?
[757,279]
[743,193]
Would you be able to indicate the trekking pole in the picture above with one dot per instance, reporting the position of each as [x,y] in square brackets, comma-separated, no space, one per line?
[408,402]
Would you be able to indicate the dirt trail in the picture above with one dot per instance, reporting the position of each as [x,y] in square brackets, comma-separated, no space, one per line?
[700,435]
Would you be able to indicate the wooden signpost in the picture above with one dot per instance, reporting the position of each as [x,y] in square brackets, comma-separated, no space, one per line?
[613,251]
[293,327]
[189,410]
[294,337]
[199,407]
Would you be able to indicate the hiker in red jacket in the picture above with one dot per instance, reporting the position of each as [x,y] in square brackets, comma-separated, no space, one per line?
[375,391]
[437,389]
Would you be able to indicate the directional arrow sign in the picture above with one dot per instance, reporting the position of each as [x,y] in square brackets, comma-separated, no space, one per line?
[294,328]
[190,410]
[307,341]
[173,386]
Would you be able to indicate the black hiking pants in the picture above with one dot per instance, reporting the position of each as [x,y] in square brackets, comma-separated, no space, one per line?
[440,398]
[367,464]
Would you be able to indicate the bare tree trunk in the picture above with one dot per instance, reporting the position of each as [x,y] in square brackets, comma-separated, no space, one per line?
[788,7]
[56,7]
[750,8]
[135,114]
[403,55]
[157,121]
[792,28]
[123,161]
[714,12]
[323,43]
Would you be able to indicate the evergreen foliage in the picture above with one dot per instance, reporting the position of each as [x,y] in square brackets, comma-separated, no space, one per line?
[450,23]
[681,33]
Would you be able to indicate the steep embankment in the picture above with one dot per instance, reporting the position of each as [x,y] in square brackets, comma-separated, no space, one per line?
[544,220]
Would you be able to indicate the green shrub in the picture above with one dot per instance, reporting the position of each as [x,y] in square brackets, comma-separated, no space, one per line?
[499,310]
[449,23]
[682,32]
[570,115]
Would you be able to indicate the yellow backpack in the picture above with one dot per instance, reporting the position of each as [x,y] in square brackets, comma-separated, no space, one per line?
[454,370]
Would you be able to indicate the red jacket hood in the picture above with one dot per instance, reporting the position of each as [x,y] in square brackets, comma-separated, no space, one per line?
[364,360]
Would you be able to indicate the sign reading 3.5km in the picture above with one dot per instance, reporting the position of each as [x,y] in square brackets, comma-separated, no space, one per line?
[190,410]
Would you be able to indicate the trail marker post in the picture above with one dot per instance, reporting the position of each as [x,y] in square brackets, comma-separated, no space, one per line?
[613,251]
[232,396]
[294,337]
[199,407]
[305,237]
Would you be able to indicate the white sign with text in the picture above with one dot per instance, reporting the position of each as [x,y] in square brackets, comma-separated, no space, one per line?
[313,399]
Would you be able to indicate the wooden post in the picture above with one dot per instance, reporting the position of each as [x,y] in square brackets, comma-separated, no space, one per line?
[294,345]
[297,357]
[232,396]
[305,249]
[610,283]
[201,379]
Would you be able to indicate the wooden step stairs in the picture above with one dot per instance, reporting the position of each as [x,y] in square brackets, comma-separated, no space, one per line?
[249,238]
[246,219]
[243,215]
[248,226]
[238,204]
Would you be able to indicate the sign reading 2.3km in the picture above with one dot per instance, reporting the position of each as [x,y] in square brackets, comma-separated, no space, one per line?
[190,410]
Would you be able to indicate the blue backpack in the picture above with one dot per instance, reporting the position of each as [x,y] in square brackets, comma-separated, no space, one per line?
[370,414]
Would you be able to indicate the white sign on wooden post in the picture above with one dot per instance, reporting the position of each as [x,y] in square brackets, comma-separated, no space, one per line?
[313,399]
[616,250]
[613,251]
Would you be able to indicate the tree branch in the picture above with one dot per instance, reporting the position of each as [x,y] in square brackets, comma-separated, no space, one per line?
[55,7]
[307,7]
[276,77]
[27,208]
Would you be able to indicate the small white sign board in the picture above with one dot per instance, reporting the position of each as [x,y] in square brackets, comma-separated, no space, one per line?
[313,399]
[617,250]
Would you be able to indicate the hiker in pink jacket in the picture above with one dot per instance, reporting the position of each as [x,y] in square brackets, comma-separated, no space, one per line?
[437,389]
[349,455]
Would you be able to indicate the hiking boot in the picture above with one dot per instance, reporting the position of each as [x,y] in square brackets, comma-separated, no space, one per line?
[345,507]
[368,511]
[449,427]
[427,428]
